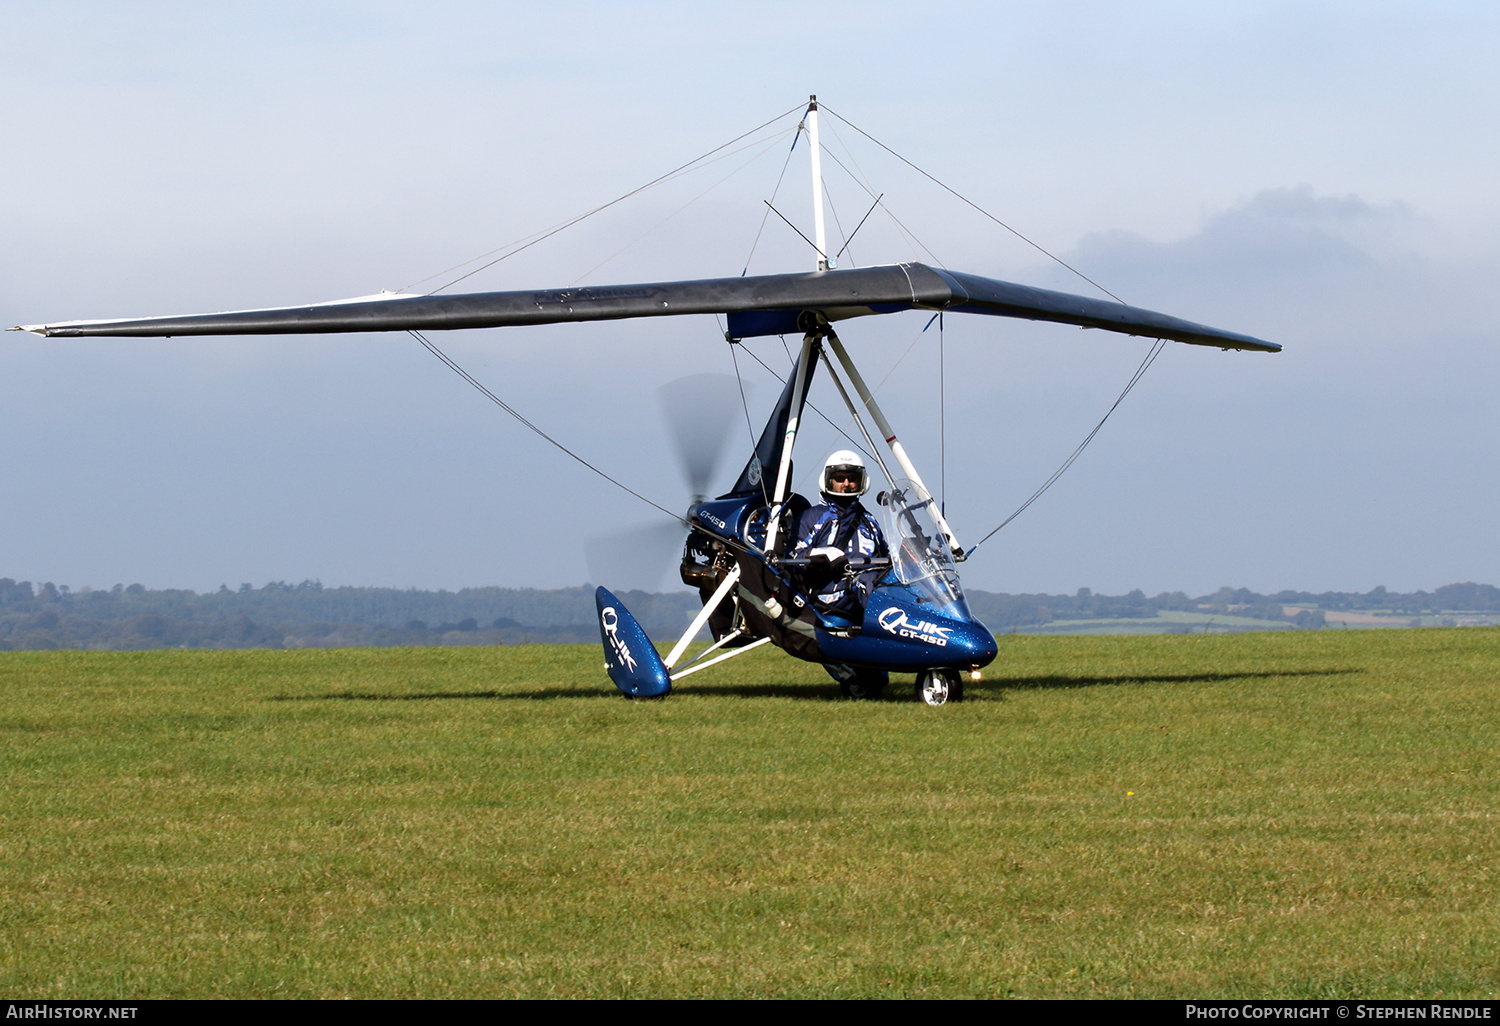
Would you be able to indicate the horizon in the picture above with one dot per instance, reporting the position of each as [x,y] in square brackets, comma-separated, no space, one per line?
[309,615]
[311,583]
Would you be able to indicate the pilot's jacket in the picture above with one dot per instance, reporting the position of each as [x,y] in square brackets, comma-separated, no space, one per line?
[848,527]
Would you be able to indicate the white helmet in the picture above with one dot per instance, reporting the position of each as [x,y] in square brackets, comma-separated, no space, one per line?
[848,462]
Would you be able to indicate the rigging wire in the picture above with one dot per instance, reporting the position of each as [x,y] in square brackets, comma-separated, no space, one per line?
[492,397]
[863,181]
[902,358]
[850,438]
[744,402]
[857,227]
[911,237]
[794,228]
[836,222]
[976,206]
[525,242]
[899,361]
[763,217]
[465,263]
[604,206]
[756,156]
[878,385]
[1145,365]
[1155,351]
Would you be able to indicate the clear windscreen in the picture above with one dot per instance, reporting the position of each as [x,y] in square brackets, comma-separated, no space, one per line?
[920,557]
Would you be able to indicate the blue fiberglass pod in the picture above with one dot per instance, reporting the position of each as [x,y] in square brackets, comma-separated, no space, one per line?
[631,660]
[902,633]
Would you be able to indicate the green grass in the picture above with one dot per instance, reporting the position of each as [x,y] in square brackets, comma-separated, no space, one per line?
[1290,814]
[1164,622]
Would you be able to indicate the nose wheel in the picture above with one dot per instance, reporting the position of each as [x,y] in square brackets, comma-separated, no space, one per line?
[939,687]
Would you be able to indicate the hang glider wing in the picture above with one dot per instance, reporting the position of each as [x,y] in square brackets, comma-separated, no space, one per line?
[766,305]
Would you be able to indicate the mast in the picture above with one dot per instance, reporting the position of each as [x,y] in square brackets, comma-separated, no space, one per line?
[819,239]
[807,362]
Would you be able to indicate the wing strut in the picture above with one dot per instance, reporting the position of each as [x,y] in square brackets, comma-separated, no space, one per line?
[807,362]
[892,442]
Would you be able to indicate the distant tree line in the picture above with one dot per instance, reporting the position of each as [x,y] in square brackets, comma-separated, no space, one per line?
[281,615]
[1000,611]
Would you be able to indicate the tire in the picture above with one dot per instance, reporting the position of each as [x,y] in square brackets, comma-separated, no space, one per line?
[862,688]
[858,684]
[939,687]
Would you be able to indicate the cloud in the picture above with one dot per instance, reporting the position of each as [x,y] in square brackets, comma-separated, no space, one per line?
[1357,291]
[1278,235]
[1356,453]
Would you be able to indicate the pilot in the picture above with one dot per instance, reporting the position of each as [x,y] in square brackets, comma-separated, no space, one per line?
[835,531]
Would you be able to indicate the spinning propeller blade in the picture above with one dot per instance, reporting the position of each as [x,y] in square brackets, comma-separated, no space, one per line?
[635,559]
[699,411]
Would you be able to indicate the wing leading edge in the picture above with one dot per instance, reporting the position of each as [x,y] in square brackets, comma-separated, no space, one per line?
[764,305]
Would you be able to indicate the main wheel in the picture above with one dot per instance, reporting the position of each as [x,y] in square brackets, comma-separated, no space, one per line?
[939,687]
[858,683]
[862,687]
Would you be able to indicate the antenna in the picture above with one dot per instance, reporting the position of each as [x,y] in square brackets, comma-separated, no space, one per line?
[819,241]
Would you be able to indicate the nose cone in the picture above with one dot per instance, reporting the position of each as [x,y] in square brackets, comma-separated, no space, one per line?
[976,640]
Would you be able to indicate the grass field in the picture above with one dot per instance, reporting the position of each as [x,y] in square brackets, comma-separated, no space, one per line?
[1291,814]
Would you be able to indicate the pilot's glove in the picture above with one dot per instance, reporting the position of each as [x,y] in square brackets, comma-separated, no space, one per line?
[834,558]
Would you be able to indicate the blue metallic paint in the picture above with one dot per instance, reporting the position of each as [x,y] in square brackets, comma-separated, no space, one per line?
[899,631]
[631,660]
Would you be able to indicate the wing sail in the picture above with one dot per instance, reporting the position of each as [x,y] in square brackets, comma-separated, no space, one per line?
[764,305]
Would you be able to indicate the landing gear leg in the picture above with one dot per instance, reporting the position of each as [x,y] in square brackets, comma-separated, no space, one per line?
[939,687]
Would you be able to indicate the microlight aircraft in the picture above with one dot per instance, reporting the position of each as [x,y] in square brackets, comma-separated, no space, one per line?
[916,619]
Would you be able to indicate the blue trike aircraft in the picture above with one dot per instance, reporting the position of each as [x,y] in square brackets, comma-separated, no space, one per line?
[915,619]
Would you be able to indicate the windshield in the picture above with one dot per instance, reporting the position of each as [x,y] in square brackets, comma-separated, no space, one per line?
[920,557]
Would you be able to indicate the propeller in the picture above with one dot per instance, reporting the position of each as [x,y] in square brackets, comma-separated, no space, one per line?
[700,411]
[635,559]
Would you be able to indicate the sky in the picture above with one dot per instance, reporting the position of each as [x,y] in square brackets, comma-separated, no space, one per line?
[1318,174]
